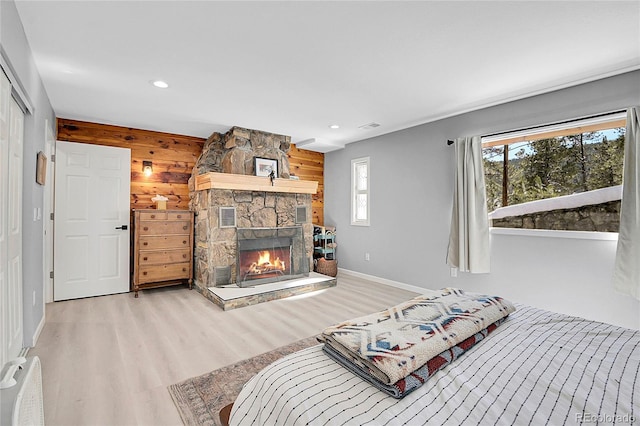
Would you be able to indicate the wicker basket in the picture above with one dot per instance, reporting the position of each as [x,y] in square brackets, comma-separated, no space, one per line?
[327,267]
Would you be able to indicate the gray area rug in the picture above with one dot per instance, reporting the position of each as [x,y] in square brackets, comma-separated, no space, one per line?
[200,399]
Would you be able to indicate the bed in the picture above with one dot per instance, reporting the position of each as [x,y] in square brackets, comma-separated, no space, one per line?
[537,367]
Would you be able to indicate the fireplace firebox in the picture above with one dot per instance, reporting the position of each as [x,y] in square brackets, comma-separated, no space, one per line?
[270,254]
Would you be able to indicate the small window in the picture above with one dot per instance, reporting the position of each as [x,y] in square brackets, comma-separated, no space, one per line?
[575,167]
[360,191]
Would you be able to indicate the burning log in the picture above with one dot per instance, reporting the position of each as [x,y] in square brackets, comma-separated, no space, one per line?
[264,265]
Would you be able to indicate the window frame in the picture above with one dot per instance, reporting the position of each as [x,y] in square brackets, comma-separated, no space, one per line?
[598,122]
[569,127]
[355,191]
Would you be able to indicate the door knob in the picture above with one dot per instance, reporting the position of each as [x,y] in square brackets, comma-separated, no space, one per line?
[123,227]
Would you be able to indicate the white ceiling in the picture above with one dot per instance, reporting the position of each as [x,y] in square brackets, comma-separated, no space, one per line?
[295,68]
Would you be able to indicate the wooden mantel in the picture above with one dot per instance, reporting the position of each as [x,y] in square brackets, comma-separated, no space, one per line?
[213,180]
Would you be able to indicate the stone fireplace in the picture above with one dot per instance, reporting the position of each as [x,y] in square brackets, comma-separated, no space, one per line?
[240,217]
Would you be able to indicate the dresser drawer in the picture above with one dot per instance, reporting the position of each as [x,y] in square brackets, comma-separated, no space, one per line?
[164,228]
[174,271]
[164,242]
[159,257]
[157,215]
[186,215]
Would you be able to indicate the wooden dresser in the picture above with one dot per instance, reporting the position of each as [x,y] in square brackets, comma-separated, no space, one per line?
[162,248]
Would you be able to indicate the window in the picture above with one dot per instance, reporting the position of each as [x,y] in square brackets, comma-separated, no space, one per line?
[557,162]
[360,191]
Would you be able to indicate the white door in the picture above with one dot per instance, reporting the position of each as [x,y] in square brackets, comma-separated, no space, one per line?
[91,247]
[11,158]
[48,209]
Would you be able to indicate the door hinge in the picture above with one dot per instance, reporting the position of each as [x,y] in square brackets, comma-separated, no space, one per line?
[51,274]
[53,158]
[50,216]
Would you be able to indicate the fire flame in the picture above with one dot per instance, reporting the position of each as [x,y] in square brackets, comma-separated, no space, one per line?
[264,264]
[264,258]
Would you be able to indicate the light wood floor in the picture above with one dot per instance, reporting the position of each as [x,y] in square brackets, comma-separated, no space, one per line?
[108,360]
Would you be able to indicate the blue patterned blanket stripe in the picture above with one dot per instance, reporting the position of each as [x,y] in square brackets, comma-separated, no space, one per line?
[413,381]
[393,343]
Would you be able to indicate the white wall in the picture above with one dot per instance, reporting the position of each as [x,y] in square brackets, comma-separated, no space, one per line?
[558,273]
[17,53]
[411,187]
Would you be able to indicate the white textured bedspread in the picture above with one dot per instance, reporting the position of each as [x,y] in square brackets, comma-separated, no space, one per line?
[537,368]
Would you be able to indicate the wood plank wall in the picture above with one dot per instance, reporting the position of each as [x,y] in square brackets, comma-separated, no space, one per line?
[309,165]
[173,158]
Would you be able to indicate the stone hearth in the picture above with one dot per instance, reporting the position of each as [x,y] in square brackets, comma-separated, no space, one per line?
[232,297]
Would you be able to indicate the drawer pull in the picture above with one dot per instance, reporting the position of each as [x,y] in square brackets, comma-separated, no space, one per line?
[184,256]
[144,258]
[145,243]
[146,228]
[144,273]
[153,216]
[184,242]
[185,227]
[184,269]
[179,216]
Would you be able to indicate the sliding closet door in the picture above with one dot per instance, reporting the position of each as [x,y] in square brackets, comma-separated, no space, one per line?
[11,159]
[5,95]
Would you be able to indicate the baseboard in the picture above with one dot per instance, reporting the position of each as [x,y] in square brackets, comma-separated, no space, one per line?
[384,281]
[34,338]
[36,335]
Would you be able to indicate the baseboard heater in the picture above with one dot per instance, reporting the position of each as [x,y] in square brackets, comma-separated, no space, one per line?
[21,393]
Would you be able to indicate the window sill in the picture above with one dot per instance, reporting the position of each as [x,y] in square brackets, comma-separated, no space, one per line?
[359,223]
[548,233]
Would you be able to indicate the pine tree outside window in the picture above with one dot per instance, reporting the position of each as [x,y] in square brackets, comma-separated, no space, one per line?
[553,161]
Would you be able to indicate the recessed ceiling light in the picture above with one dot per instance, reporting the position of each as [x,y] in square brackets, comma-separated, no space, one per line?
[160,84]
[334,126]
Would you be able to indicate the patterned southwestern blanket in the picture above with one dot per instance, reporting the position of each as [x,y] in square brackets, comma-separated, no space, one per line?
[393,343]
[413,381]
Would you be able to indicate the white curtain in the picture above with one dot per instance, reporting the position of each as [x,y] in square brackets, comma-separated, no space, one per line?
[626,274]
[469,235]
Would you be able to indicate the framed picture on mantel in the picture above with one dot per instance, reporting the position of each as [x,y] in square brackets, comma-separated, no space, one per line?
[264,166]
